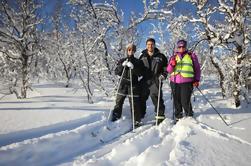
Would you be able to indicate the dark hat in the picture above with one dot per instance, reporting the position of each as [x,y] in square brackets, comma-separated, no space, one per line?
[182,43]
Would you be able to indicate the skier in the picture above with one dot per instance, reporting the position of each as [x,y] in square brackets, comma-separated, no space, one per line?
[185,73]
[155,64]
[136,66]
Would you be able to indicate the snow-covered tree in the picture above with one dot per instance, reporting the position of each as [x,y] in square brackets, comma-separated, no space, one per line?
[93,21]
[225,25]
[18,42]
[62,45]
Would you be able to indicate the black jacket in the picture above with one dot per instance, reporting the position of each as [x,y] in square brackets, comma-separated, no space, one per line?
[154,66]
[137,71]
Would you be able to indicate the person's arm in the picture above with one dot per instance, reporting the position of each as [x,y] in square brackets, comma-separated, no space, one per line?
[119,68]
[138,69]
[196,67]
[171,66]
[164,71]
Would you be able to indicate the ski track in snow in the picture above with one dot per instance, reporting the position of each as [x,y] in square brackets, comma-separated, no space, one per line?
[66,144]
[133,148]
[165,139]
[10,138]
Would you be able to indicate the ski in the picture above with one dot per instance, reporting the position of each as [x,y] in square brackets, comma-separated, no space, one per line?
[139,129]
[130,133]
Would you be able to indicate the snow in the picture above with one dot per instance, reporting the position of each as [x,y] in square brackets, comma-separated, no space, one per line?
[56,126]
[48,108]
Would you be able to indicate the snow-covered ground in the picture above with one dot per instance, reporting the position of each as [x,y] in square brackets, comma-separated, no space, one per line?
[56,126]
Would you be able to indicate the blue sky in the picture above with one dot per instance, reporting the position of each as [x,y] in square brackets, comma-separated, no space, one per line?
[127,6]
[136,6]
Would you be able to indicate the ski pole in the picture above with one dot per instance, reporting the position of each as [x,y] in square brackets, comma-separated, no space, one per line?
[173,111]
[158,104]
[173,102]
[132,102]
[212,106]
[120,79]
[172,98]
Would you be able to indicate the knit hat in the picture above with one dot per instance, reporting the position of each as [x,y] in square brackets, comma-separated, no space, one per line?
[182,43]
[131,45]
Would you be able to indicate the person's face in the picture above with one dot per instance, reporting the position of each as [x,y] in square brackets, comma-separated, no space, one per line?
[181,49]
[150,46]
[130,52]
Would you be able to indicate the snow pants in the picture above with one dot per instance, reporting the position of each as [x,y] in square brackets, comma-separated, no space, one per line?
[182,98]
[126,91]
[152,91]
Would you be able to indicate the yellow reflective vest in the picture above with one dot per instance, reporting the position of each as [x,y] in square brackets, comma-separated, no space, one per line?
[184,66]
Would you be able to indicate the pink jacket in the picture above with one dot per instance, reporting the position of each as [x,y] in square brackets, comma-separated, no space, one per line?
[178,78]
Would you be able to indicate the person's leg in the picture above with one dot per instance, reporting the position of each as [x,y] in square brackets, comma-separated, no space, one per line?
[144,94]
[136,105]
[177,100]
[117,111]
[154,96]
[186,92]
[161,115]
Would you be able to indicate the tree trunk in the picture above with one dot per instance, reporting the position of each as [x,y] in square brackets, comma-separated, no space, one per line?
[236,92]
[86,85]
[106,60]
[237,72]
[222,78]
[24,86]
[89,94]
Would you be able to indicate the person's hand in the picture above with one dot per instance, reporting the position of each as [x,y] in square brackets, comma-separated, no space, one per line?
[196,84]
[124,63]
[173,62]
[130,65]
[161,77]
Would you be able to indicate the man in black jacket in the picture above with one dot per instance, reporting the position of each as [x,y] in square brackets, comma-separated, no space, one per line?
[155,64]
[136,66]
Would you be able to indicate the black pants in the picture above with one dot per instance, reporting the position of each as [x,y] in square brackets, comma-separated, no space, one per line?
[117,111]
[152,91]
[182,98]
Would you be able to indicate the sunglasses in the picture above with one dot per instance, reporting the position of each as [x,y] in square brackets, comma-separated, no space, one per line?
[181,47]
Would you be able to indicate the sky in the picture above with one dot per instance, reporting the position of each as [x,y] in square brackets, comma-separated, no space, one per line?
[127,6]
[137,7]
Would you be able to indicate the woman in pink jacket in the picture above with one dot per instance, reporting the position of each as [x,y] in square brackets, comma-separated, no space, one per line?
[185,73]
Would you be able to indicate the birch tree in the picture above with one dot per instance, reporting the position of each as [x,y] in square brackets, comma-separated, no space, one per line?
[18,41]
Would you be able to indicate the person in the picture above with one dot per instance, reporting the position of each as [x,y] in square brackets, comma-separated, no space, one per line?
[127,64]
[185,73]
[155,64]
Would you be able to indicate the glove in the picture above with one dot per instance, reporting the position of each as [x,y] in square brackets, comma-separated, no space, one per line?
[130,65]
[124,63]
[161,77]
[173,62]
[196,84]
